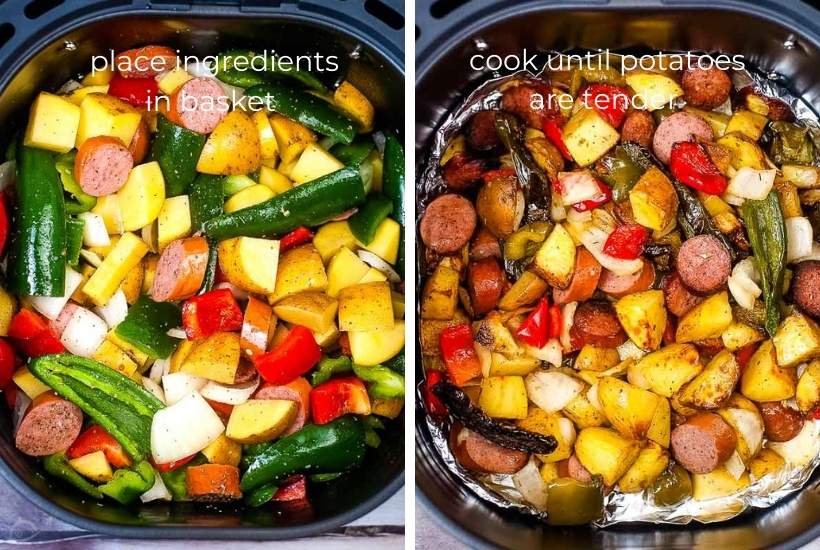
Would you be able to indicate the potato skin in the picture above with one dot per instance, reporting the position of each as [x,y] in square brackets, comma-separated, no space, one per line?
[604,452]
[714,384]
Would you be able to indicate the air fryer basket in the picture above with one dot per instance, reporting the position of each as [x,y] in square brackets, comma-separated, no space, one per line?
[44,52]
[780,37]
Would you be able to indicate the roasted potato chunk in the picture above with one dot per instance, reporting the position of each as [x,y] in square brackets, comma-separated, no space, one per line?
[714,384]
[763,380]
[605,452]
[706,320]
[643,316]
[665,371]
[651,462]
[628,408]
[796,340]
[555,260]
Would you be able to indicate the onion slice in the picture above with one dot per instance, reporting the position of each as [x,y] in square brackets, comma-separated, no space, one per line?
[799,238]
[230,395]
[83,333]
[183,429]
[115,310]
[552,390]
[374,261]
[179,384]
[158,491]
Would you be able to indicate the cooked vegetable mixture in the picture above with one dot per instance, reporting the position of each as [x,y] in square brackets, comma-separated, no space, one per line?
[201,301]
[623,295]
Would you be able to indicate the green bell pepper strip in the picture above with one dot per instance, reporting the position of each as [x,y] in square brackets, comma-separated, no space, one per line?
[355,153]
[74,240]
[127,485]
[791,144]
[329,366]
[363,224]
[261,495]
[393,187]
[206,198]
[333,447]
[38,245]
[371,436]
[176,480]
[58,466]
[146,326]
[121,406]
[383,383]
[309,204]
[323,478]
[315,113]
[82,201]
[622,170]
[177,151]
[238,73]
[766,227]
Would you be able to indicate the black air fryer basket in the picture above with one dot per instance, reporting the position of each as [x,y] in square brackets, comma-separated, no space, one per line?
[777,36]
[43,43]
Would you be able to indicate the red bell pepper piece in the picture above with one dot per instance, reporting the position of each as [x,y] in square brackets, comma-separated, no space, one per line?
[608,100]
[815,414]
[626,242]
[224,410]
[553,133]
[293,488]
[96,439]
[690,164]
[744,354]
[209,313]
[435,406]
[535,330]
[556,321]
[344,344]
[173,465]
[604,197]
[4,223]
[460,358]
[32,335]
[291,359]
[297,237]
[139,92]
[338,397]
[7,363]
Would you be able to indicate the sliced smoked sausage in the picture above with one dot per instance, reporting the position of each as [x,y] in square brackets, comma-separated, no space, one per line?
[621,285]
[595,323]
[703,442]
[533,103]
[481,134]
[781,423]
[639,126]
[484,245]
[462,172]
[448,223]
[485,283]
[51,425]
[705,88]
[478,454]
[199,105]
[145,62]
[805,287]
[180,269]
[679,300]
[704,264]
[584,279]
[102,165]
[680,126]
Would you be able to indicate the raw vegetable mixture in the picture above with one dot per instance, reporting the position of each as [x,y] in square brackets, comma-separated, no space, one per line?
[181,319]
[621,289]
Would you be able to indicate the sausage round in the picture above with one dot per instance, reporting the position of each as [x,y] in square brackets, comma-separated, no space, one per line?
[484,245]
[705,88]
[584,280]
[678,298]
[595,323]
[524,101]
[245,372]
[289,394]
[621,285]
[461,172]
[481,134]
[805,287]
[102,165]
[140,142]
[703,442]
[577,471]
[199,105]
[638,127]
[478,454]
[781,423]
[51,425]
[485,283]
[180,269]
[704,264]
[680,126]
[145,62]
[448,223]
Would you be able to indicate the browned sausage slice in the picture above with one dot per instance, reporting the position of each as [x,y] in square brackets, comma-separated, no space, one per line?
[481,134]
[485,283]
[704,264]
[478,454]
[462,172]
[145,62]
[680,126]
[584,279]
[533,103]
[805,287]
[448,223]
[703,442]
[678,298]
[638,127]
[782,423]
[102,165]
[484,245]
[621,285]
[705,88]
[51,425]
[199,105]
[180,269]
[577,471]
[245,372]
[595,323]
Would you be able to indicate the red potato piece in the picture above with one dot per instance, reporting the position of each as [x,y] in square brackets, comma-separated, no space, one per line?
[448,223]
[51,425]
[484,245]
[703,442]
[705,88]
[533,103]
[577,471]
[595,323]
[781,423]
[704,264]
[621,285]
[679,300]
[145,62]
[584,280]
[680,126]
[462,172]
[805,287]
[478,454]
[180,269]
[199,105]
[58,325]
[102,165]
[481,133]
[485,283]
[638,126]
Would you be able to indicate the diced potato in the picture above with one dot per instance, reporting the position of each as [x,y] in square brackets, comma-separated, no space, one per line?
[274,180]
[661,427]
[802,177]
[595,358]
[653,200]
[215,357]
[555,259]
[260,420]
[605,452]
[142,196]
[440,294]
[299,269]
[313,163]
[717,120]
[492,333]
[388,408]
[398,304]
[344,269]
[653,91]
[549,472]
[232,148]
[807,393]
[115,357]
[291,137]
[77,96]
[643,316]
[327,337]
[503,397]
[583,412]
[373,347]
[501,365]
[552,424]
[526,290]
[353,102]
[331,237]
[763,380]
[665,371]
[180,354]
[27,382]
[131,286]
[314,310]
[714,384]
[766,462]
[174,221]
[385,243]
[94,466]
[373,275]
[267,140]
[105,115]
[629,409]
[588,136]
[108,207]
[98,77]
[651,462]
[173,79]
[717,483]
[706,320]
[366,307]
[745,152]
[251,263]
[738,335]
[8,306]
[223,450]
[124,257]
[53,123]
[248,197]
[797,340]
[747,123]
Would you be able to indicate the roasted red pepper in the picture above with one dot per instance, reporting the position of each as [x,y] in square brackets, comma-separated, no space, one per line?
[298,236]
[554,135]
[434,405]
[293,488]
[535,330]
[139,92]
[291,359]
[690,164]
[209,313]
[744,354]
[460,358]
[604,197]
[627,241]
[7,363]
[4,223]
[556,320]
[338,397]
[608,100]
[96,439]
[171,466]
[815,414]
[32,335]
